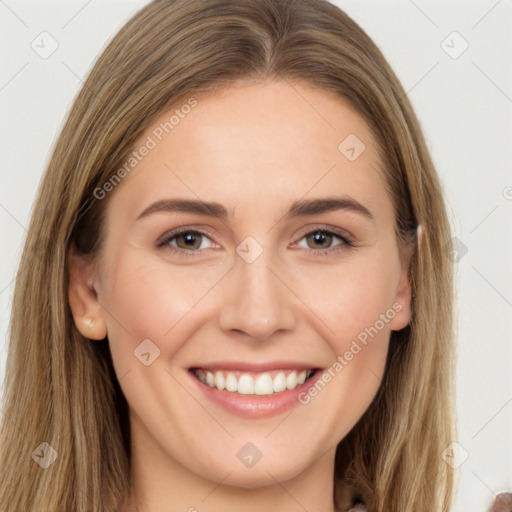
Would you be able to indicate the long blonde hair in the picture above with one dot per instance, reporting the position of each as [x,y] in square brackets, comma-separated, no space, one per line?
[60,388]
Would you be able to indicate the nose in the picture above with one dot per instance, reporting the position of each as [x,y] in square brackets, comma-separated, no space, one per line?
[257,300]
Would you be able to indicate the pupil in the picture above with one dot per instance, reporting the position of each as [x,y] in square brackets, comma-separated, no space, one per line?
[320,238]
[189,239]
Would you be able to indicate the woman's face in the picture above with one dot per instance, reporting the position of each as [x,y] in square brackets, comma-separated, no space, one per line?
[294,267]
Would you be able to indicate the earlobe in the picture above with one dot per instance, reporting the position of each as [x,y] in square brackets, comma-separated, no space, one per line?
[403,300]
[402,306]
[83,298]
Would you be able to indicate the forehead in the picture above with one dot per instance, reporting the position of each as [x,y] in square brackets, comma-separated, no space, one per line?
[264,144]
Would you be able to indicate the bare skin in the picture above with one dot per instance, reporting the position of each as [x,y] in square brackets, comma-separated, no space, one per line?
[255,149]
[502,502]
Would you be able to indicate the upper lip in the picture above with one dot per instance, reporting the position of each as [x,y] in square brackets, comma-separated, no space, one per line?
[255,367]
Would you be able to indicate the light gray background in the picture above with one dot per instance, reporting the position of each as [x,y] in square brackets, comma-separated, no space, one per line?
[464,103]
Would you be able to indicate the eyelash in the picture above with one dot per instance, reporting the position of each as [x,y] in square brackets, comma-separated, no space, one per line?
[163,241]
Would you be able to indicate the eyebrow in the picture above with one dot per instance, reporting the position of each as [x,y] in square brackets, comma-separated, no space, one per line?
[298,208]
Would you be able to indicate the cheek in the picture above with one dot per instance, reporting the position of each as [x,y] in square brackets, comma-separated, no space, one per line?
[351,298]
[145,299]
[354,302]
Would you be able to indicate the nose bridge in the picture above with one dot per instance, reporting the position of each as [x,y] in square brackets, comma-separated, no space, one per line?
[257,302]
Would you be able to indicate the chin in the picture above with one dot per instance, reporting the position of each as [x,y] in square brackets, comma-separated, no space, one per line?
[257,476]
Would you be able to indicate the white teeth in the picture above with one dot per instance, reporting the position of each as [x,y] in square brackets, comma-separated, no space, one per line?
[253,383]
[291,380]
[231,382]
[246,385]
[279,383]
[219,381]
[263,385]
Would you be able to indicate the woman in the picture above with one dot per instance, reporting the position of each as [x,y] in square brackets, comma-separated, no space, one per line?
[178,340]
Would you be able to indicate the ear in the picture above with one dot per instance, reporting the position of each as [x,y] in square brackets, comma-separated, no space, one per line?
[402,302]
[87,312]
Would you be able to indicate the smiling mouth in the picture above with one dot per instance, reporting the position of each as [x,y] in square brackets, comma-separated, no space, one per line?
[253,383]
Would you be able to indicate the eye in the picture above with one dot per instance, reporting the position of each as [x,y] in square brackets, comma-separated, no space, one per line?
[188,241]
[185,241]
[324,240]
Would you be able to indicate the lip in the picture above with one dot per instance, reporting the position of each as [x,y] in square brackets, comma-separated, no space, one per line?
[255,406]
[245,366]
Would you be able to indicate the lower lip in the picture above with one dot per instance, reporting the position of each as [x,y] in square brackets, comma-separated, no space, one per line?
[256,406]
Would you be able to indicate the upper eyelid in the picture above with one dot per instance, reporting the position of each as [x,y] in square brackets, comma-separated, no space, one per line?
[346,240]
[185,229]
[343,233]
